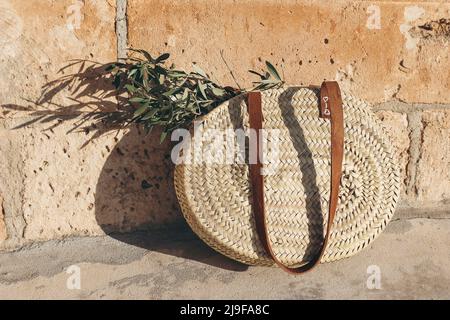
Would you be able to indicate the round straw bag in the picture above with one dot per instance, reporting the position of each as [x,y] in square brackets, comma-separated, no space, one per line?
[329,192]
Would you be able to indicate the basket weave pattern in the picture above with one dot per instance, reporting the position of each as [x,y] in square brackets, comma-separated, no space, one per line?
[216,198]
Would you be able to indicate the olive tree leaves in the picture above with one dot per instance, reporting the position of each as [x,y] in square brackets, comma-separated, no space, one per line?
[172,98]
[270,79]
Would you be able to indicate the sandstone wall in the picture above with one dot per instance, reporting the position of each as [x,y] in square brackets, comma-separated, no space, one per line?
[64,173]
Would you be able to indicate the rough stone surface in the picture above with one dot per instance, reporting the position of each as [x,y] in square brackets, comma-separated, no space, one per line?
[60,180]
[396,125]
[39,37]
[378,51]
[184,268]
[433,168]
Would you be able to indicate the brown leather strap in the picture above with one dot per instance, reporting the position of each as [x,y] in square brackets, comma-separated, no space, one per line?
[330,108]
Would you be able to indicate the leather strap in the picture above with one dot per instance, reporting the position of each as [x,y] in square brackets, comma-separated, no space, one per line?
[330,108]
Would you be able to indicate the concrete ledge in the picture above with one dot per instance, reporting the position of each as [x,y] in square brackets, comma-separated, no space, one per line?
[411,257]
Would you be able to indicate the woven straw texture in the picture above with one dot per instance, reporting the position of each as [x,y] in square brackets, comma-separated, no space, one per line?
[216,199]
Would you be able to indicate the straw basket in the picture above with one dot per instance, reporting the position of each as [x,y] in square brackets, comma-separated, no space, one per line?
[216,198]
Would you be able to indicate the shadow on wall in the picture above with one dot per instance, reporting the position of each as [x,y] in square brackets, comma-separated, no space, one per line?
[135,188]
[135,191]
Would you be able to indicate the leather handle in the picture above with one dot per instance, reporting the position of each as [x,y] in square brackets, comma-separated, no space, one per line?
[330,108]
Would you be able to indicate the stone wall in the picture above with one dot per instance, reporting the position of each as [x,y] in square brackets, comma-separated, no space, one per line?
[64,173]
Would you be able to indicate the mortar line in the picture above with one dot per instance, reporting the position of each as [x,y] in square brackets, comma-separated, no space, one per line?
[121,29]
[415,137]
[407,108]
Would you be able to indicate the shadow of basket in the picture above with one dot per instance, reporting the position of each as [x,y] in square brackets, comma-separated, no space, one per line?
[135,191]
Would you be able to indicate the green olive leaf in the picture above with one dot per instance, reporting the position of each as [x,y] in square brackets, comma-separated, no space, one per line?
[273,71]
[170,98]
[162,57]
[140,110]
[199,71]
